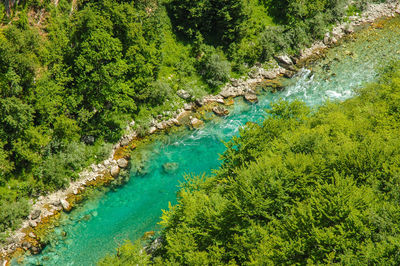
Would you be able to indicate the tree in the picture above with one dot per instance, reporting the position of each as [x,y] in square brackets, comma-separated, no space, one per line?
[218,21]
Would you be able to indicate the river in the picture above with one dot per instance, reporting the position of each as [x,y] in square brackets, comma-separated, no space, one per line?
[99,225]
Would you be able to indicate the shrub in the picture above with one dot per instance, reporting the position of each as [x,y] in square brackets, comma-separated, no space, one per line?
[272,40]
[215,69]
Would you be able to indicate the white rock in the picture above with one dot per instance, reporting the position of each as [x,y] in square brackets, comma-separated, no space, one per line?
[284,59]
[183,94]
[32,224]
[114,171]
[65,205]
[196,123]
[188,106]
[152,130]
[122,163]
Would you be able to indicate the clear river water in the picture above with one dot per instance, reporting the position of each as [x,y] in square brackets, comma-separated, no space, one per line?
[98,226]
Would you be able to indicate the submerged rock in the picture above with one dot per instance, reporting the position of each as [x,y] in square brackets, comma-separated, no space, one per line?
[170,168]
[220,111]
[35,250]
[250,97]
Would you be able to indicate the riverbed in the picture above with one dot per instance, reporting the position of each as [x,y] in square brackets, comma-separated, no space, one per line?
[100,225]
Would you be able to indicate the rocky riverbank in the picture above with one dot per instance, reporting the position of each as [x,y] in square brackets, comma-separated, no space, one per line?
[47,207]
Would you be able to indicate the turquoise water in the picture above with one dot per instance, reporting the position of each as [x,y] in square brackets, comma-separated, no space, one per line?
[97,227]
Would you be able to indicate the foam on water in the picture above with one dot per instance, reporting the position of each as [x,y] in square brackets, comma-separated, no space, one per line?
[101,224]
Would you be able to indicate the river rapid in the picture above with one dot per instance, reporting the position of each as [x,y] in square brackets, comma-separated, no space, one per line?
[98,226]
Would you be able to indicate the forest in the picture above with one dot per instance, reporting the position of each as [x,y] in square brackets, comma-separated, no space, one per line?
[73,74]
[305,186]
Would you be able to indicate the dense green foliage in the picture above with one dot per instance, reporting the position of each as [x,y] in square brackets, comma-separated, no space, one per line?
[73,74]
[317,187]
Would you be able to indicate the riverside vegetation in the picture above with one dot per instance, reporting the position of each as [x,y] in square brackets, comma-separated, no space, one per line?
[315,186]
[73,74]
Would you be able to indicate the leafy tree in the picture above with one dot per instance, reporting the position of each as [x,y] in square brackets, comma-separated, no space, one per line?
[216,20]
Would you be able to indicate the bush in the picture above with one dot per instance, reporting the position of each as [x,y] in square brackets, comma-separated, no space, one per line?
[12,212]
[215,69]
[272,40]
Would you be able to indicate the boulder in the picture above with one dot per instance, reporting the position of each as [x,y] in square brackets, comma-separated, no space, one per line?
[183,117]
[255,73]
[250,97]
[284,60]
[122,163]
[35,250]
[175,121]
[231,92]
[220,111]
[35,214]
[162,125]
[200,102]
[56,203]
[184,94]
[188,106]
[125,141]
[89,140]
[154,246]
[327,39]
[65,204]
[170,168]
[269,74]
[289,74]
[235,82]
[196,123]
[32,235]
[114,171]
[152,130]
[26,245]
[32,224]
